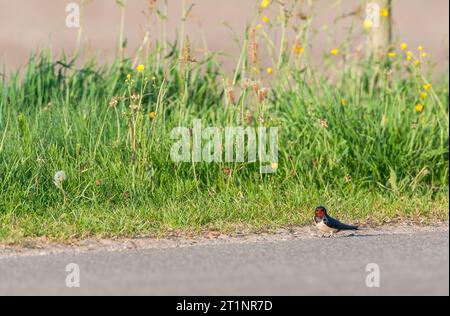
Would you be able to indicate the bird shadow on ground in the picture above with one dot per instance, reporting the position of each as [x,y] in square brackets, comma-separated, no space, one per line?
[361,235]
[350,236]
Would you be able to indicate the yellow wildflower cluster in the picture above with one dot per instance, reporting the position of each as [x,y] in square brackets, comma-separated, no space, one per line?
[265,4]
[368,25]
[419,108]
[423,97]
[410,55]
[392,54]
[140,68]
[297,49]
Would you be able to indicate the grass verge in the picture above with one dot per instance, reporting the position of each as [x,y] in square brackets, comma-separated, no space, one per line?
[368,138]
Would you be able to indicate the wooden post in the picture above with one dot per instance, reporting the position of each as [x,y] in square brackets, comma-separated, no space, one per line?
[381,37]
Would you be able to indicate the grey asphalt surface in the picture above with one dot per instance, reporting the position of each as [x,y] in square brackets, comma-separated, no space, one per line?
[410,264]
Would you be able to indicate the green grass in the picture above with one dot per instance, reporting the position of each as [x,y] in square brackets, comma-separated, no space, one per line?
[375,160]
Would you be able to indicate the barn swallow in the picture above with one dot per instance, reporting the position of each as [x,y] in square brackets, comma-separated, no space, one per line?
[326,224]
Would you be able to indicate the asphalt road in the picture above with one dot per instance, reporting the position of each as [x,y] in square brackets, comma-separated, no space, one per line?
[410,264]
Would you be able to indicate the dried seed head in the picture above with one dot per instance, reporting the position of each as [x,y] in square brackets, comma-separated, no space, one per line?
[229,92]
[186,53]
[303,16]
[226,171]
[246,83]
[389,75]
[249,118]
[261,120]
[255,86]
[262,95]
[253,49]
[231,97]
[114,101]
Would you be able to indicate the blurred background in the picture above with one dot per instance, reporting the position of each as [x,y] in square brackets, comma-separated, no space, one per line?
[29,25]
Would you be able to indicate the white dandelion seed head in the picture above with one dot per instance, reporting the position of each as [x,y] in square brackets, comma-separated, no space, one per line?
[59,178]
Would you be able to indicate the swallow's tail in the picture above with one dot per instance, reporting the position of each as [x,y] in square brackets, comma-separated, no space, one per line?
[349,227]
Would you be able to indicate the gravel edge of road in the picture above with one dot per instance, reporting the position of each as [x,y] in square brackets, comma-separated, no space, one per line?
[43,248]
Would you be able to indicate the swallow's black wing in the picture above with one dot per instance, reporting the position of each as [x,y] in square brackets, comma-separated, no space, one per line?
[335,224]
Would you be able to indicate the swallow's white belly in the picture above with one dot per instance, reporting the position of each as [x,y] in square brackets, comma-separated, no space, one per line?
[324,228]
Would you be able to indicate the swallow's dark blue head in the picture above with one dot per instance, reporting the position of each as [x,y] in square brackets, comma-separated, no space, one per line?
[321,212]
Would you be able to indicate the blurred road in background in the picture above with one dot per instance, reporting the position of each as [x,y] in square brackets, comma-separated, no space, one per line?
[27,25]
[409,264]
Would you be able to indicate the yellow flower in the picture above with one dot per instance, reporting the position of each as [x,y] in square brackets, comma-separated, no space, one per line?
[344,102]
[392,54]
[409,53]
[265,19]
[298,50]
[128,77]
[408,58]
[424,54]
[259,26]
[335,51]
[404,46]
[428,87]
[368,25]
[152,115]
[424,96]
[269,70]
[419,108]
[265,3]
[274,166]
[417,62]
[420,48]
[140,68]
[384,12]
